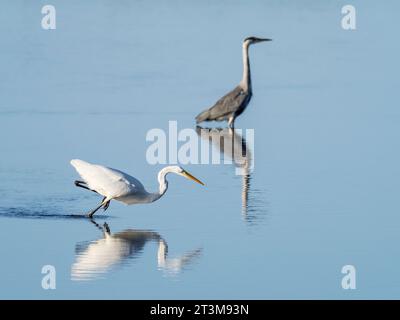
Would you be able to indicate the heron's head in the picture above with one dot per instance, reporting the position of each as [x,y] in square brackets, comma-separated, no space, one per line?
[252,40]
[182,172]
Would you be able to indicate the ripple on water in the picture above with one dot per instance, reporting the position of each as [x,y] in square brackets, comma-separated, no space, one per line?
[41,213]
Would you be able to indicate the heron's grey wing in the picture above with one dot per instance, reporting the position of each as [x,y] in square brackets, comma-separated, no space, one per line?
[228,104]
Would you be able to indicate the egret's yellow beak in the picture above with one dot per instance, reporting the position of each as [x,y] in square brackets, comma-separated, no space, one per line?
[189,176]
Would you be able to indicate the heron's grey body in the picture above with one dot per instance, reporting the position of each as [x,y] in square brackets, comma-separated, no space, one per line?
[231,105]
[228,107]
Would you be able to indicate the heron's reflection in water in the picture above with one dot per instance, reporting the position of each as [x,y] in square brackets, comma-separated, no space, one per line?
[234,148]
[93,260]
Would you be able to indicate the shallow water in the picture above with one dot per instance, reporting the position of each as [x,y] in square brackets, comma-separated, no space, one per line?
[323,192]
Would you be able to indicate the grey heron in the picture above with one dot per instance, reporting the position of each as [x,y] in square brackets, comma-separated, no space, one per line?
[235,102]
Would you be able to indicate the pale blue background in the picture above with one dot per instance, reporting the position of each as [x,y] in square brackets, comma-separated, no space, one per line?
[325,189]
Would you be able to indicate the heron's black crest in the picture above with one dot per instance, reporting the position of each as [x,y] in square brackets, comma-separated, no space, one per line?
[256,39]
[250,38]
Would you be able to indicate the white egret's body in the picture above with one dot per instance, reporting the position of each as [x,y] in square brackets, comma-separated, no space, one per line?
[113,184]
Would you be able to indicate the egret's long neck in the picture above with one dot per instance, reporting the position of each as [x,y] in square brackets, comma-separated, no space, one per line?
[162,253]
[246,79]
[163,184]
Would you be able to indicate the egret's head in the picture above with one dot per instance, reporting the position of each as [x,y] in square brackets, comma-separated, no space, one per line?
[184,173]
[252,40]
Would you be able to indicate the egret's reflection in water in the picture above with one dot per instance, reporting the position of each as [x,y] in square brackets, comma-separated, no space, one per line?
[95,259]
[234,149]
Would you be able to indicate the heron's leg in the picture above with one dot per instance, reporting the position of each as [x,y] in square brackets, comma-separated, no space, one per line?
[231,122]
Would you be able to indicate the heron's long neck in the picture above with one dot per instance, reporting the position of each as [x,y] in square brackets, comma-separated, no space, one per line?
[246,79]
[163,184]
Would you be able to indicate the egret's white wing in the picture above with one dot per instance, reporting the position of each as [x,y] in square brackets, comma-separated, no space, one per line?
[108,182]
[100,256]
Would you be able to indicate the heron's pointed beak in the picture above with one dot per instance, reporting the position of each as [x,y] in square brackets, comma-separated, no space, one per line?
[189,176]
[263,39]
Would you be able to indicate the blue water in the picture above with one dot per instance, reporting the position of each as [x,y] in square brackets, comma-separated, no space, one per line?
[323,192]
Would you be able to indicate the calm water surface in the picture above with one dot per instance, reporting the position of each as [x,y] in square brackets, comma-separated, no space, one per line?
[323,192]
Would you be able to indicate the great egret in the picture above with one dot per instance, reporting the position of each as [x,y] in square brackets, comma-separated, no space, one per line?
[99,257]
[113,184]
[233,103]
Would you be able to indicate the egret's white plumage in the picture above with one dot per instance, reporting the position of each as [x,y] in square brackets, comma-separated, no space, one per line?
[113,184]
[108,182]
[100,256]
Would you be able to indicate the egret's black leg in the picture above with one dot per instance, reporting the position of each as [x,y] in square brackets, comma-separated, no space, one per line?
[102,204]
[79,183]
[106,228]
[96,224]
[82,184]
[91,213]
[106,205]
